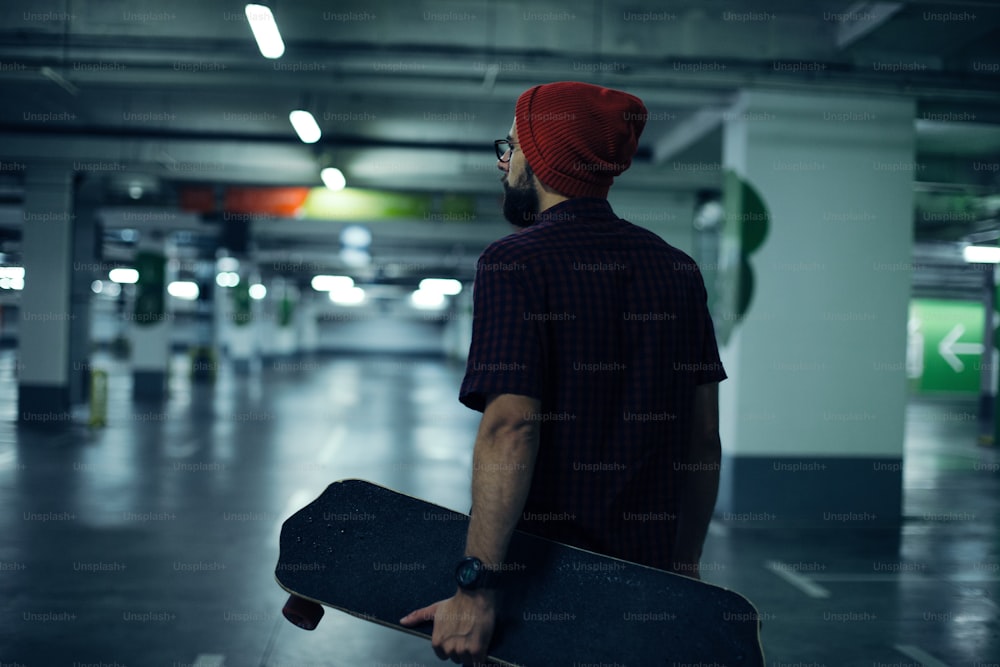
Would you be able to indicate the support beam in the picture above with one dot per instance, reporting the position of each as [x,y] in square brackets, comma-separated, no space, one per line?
[862,18]
[686,133]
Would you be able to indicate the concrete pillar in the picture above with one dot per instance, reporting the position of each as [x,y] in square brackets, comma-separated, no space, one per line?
[88,196]
[204,355]
[286,301]
[306,324]
[150,320]
[241,334]
[815,283]
[44,394]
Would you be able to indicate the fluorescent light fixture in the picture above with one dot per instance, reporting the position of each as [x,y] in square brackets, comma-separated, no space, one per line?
[981,254]
[347,296]
[227,279]
[265,31]
[448,286]
[331,283]
[257,291]
[427,300]
[12,277]
[356,236]
[332,177]
[12,272]
[305,126]
[355,257]
[227,264]
[124,276]
[183,289]
[97,287]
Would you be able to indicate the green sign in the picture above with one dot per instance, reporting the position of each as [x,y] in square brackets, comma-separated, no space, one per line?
[242,306]
[150,294]
[729,277]
[945,345]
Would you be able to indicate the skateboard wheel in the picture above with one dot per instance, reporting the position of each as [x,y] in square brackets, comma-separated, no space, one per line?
[303,613]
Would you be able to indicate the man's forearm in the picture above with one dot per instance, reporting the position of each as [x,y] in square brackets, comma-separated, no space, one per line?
[698,494]
[502,466]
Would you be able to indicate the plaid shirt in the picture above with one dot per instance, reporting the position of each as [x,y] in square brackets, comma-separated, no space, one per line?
[607,325]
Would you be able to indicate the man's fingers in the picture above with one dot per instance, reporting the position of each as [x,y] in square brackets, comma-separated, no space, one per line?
[420,616]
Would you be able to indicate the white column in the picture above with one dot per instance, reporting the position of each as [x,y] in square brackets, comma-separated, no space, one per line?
[242,333]
[45,318]
[813,411]
[285,303]
[150,320]
[306,325]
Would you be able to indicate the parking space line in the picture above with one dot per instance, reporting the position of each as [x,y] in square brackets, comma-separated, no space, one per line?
[896,576]
[332,445]
[803,583]
[209,660]
[920,655]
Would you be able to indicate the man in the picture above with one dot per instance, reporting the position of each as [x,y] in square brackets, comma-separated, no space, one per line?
[593,360]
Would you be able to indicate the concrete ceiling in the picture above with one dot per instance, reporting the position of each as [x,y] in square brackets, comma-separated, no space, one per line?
[411,94]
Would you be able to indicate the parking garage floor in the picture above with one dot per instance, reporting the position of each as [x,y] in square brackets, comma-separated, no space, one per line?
[152,541]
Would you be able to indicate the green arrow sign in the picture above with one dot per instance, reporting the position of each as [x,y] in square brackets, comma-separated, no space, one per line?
[945,345]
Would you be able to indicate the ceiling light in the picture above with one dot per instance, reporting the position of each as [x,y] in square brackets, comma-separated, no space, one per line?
[305,126]
[356,236]
[127,276]
[981,254]
[333,178]
[448,286]
[355,257]
[427,300]
[227,264]
[265,31]
[227,279]
[183,289]
[331,283]
[349,296]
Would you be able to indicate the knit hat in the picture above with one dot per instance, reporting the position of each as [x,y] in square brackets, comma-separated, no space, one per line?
[577,137]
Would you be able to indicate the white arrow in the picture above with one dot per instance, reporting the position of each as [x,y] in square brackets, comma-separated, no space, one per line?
[950,348]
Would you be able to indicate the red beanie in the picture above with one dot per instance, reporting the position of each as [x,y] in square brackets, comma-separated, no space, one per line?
[577,137]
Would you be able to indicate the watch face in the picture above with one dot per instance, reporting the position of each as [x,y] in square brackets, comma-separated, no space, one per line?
[467,572]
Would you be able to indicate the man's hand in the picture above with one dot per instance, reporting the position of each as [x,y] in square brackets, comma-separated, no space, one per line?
[463,625]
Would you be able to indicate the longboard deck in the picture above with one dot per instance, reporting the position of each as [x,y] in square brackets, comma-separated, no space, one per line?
[378,554]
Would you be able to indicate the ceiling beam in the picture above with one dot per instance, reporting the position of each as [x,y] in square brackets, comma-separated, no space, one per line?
[862,18]
[686,133]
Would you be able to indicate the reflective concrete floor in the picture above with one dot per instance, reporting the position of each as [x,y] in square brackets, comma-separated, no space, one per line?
[152,541]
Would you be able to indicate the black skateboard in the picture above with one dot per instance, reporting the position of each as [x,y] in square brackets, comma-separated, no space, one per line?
[378,555]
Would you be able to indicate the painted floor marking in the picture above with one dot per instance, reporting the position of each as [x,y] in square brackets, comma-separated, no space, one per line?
[803,583]
[209,660]
[332,445]
[920,655]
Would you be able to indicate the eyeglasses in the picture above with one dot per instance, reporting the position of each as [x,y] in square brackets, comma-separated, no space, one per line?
[504,147]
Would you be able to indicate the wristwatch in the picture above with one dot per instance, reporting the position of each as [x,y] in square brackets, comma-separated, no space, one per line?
[471,574]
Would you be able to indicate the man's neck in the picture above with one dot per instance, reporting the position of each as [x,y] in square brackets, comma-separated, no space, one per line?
[549,198]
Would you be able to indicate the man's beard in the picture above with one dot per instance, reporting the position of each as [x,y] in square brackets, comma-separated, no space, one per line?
[520,201]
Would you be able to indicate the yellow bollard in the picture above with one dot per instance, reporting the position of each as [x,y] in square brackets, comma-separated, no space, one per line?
[98,398]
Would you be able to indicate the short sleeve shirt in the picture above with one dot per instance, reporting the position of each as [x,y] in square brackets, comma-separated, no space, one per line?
[607,326]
